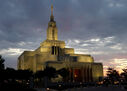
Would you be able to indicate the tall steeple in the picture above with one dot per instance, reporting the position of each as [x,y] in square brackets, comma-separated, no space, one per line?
[52,29]
[52,17]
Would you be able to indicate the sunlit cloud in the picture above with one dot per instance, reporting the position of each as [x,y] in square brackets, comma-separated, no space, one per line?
[95,40]
[21,43]
[11,51]
[96,46]
[118,63]
[87,51]
[77,41]
[116,5]
[116,47]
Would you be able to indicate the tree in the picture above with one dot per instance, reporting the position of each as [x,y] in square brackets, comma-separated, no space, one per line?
[124,75]
[10,73]
[63,72]
[50,72]
[1,63]
[39,74]
[23,74]
[113,75]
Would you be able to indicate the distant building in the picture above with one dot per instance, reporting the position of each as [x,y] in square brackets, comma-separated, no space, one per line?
[52,53]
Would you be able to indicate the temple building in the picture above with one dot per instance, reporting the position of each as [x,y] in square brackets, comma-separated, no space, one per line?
[53,53]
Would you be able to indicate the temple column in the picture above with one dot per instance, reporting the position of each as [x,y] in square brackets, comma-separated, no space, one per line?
[83,74]
[57,50]
[73,74]
[54,50]
[89,73]
[85,71]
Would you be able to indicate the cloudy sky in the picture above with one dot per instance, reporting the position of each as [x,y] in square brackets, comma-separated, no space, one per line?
[96,27]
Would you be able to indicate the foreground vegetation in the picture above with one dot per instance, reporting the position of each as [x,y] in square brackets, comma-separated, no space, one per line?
[26,79]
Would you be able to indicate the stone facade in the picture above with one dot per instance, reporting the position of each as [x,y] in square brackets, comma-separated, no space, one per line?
[52,52]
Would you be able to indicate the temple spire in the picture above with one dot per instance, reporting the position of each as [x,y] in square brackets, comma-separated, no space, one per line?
[52,17]
[52,9]
[52,29]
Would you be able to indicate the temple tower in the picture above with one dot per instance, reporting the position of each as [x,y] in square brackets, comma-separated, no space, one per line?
[52,29]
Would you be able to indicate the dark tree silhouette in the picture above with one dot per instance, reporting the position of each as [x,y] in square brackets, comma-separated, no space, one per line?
[10,73]
[38,78]
[50,72]
[24,74]
[39,74]
[124,75]
[113,75]
[9,78]
[1,63]
[63,72]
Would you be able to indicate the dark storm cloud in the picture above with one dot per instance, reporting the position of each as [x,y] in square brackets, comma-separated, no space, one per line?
[23,24]
[98,18]
[20,19]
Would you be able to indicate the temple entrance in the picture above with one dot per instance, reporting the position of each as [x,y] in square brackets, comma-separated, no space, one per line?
[81,74]
[77,75]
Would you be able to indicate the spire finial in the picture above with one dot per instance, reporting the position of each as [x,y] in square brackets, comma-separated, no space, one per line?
[52,17]
[52,9]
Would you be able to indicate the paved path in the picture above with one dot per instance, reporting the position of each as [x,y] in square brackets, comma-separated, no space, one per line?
[97,89]
[90,89]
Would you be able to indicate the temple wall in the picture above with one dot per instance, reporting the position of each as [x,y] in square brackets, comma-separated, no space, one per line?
[85,59]
[38,50]
[40,67]
[49,43]
[29,53]
[21,61]
[82,58]
[45,49]
[56,65]
[44,58]
[97,71]
[26,62]
[68,50]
